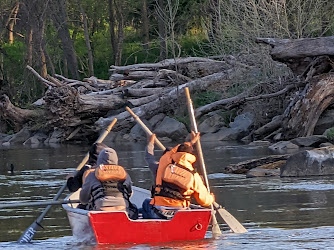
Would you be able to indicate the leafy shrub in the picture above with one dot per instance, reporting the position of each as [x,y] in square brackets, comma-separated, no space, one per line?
[203,98]
[329,133]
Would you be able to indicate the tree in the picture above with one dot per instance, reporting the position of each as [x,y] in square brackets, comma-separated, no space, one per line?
[86,33]
[59,18]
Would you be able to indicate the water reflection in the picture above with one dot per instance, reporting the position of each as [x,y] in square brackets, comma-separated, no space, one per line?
[280,213]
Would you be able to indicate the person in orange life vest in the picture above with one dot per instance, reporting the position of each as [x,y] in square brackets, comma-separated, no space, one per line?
[109,187]
[176,182]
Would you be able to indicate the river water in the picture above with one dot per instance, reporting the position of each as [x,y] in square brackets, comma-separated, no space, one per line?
[279,213]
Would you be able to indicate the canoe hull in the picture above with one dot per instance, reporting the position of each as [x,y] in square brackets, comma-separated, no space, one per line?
[115,227]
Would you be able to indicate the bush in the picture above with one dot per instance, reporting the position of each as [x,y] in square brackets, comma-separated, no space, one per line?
[329,133]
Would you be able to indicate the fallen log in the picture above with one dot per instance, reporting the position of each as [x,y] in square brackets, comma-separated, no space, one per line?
[235,101]
[285,49]
[165,102]
[268,128]
[85,84]
[44,81]
[142,92]
[17,116]
[163,64]
[243,167]
[143,100]
[298,54]
[67,108]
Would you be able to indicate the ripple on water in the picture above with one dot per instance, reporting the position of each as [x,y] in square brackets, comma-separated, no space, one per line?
[264,238]
[310,186]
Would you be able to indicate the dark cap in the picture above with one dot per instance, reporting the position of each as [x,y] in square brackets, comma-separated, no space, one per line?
[95,150]
[185,148]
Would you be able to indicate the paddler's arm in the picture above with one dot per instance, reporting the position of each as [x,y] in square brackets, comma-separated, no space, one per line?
[85,192]
[149,155]
[201,194]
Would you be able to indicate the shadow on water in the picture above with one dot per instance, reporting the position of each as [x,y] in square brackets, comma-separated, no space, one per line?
[280,213]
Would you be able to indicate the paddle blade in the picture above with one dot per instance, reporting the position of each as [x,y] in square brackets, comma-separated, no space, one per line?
[28,235]
[232,222]
[216,233]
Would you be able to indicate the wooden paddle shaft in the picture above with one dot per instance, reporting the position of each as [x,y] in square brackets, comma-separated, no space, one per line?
[198,143]
[36,203]
[145,128]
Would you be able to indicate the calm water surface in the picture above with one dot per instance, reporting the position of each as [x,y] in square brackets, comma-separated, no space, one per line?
[280,213]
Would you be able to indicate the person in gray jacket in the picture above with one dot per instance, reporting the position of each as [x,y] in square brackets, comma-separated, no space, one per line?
[111,192]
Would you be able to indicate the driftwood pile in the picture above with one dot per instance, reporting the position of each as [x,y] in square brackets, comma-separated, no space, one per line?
[75,106]
[81,108]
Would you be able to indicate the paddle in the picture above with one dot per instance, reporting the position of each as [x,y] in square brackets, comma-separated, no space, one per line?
[36,203]
[145,128]
[233,223]
[215,226]
[28,235]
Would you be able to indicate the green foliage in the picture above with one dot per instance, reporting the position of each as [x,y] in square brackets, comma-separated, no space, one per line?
[206,97]
[228,116]
[329,133]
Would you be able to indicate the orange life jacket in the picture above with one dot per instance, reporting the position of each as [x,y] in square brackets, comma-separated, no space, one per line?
[110,173]
[110,176]
[175,179]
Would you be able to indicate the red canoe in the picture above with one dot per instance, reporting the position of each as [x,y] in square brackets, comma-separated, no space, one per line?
[110,227]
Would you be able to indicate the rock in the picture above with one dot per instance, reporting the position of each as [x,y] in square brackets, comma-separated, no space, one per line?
[310,141]
[314,162]
[259,143]
[284,146]
[326,144]
[155,120]
[224,134]
[239,128]
[137,133]
[20,137]
[243,122]
[5,138]
[325,121]
[267,170]
[171,128]
[211,124]
[55,137]
[36,139]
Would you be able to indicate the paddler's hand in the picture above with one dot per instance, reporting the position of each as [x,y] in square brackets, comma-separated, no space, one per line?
[151,138]
[194,137]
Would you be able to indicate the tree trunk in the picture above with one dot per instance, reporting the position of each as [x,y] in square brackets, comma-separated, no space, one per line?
[112,26]
[44,70]
[120,37]
[17,116]
[59,17]
[317,96]
[160,9]
[116,23]
[87,40]
[145,26]
[12,23]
